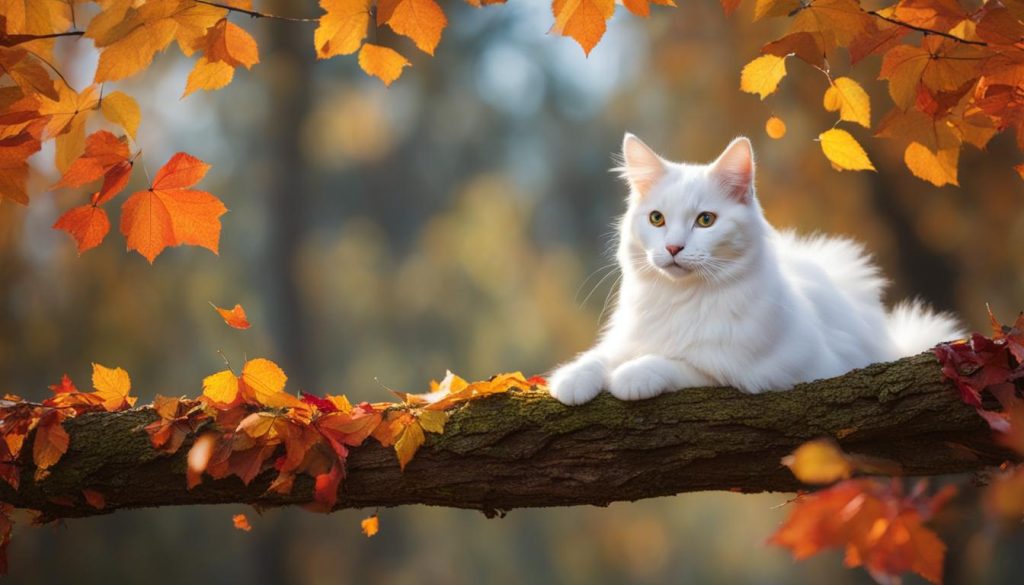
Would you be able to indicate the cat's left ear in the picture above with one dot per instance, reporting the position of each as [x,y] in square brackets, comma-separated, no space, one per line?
[641,167]
[734,169]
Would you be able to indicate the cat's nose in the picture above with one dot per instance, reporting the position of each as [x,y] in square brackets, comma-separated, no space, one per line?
[673,250]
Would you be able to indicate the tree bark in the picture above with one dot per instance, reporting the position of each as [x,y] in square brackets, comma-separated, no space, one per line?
[524,449]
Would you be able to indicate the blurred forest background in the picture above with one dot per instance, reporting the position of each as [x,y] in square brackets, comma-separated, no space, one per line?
[452,221]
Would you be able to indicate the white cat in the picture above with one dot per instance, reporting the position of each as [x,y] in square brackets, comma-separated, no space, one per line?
[712,294]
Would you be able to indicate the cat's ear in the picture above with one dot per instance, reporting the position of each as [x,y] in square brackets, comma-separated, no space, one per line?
[641,166]
[734,169]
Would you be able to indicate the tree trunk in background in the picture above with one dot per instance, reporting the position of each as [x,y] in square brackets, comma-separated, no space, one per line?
[290,47]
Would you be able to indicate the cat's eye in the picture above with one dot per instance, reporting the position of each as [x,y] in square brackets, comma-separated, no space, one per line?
[656,218]
[706,218]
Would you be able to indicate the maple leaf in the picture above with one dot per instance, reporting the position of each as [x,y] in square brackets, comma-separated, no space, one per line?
[775,128]
[370,525]
[342,28]
[26,72]
[87,224]
[112,387]
[835,23]
[583,20]
[851,101]
[178,419]
[66,117]
[241,522]
[763,74]
[105,156]
[171,214]
[843,151]
[383,63]
[768,8]
[235,317]
[420,20]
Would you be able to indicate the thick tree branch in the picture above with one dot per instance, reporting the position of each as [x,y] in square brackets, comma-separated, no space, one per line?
[527,450]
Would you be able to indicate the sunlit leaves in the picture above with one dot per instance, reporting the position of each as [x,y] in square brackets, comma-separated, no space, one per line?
[225,47]
[420,20]
[235,317]
[775,128]
[169,213]
[583,20]
[342,27]
[763,74]
[843,150]
[121,109]
[383,63]
[370,526]
[851,101]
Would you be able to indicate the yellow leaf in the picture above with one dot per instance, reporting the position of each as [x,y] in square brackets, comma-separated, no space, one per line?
[420,20]
[433,420]
[208,75]
[221,387]
[845,153]
[763,8]
[265,378]
[851,101]
[370,525]
[408,443]
[775,127]
[342,28]
[113,386]
[762,75]
[121,109]
[818,462]
[938,168]
[382,62]
[583,20]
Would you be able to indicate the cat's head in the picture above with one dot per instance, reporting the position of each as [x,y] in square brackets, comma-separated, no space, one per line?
[690,222]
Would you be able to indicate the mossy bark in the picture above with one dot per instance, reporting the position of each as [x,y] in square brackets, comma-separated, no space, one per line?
[527,450]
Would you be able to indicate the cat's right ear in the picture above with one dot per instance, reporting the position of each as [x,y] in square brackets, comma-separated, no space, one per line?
[641,166]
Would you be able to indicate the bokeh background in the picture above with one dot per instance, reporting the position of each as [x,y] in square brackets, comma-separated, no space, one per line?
[462,219]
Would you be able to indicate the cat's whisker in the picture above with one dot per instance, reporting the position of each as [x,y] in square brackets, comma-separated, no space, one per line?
[609,266]
[597,286]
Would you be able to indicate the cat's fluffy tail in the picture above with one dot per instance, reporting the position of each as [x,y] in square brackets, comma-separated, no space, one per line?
[914,327]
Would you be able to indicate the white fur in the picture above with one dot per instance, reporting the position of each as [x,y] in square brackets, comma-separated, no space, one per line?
[741,304]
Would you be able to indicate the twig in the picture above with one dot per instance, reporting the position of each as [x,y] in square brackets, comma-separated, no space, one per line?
[924,30]
[254,13]
[12,40]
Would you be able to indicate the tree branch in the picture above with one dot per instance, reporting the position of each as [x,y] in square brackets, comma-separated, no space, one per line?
[924,30]
[524,449]
[254,13]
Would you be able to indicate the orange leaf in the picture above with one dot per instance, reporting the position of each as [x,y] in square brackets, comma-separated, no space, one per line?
[14,153]
[170,214]
[221,388]
[87,224]
[583,20]
[51,441]
[234,317]
[342,28]
[241,522]
[264,378]
[199,458]
[112,387]
[818,462]
[94,499]
[409,442]
[383,63]
[230,43]
[370,525]
[420,20]
[208,75]
[105,156]
[775,127]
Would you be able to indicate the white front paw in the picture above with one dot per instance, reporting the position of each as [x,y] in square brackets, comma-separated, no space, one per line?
[637,380]
[578,382]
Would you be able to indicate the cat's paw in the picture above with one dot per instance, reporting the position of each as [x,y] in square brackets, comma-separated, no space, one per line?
[578,382]
[640,379]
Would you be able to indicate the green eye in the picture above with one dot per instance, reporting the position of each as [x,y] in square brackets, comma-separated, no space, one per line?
[656,219]
[706,218]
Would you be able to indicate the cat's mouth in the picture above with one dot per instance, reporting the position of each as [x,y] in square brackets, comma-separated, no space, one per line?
[674,268]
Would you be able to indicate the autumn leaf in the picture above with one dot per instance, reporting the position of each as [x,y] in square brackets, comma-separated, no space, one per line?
[763,74]
[87,224]
[121,109]
[843,150]
[112,386]
[370,525]
[67,117]
[235,317]
[221,388]
[818,462]
[199,458]
[14,153]
[408,442]
[106,156]
[94,498]
[264,378]
[51,440]
[383,63]
[171,214]
[420,20]
[583,20]
[225,47]
[342,28]
[241,522]
[851,101]
[775,128]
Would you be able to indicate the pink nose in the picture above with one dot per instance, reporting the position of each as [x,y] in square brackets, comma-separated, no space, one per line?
[673,250]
